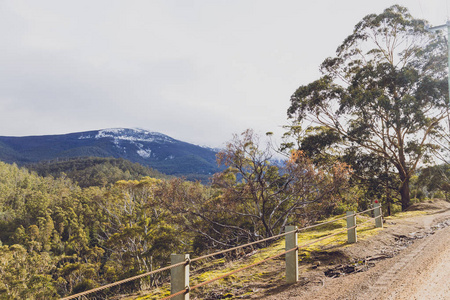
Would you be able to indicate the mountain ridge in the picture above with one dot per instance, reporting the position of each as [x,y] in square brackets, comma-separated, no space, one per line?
[152,149]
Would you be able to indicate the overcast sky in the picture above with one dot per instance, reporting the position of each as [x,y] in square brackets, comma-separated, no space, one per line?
[197,71]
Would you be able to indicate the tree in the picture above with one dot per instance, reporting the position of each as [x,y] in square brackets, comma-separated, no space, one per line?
[383,95]
[436,179]
[137,230]
[265,197]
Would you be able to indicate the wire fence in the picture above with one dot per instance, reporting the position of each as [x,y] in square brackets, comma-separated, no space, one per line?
[230,273]
[189,261]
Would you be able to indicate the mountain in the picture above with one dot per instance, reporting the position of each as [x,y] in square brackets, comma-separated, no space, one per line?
[152,149]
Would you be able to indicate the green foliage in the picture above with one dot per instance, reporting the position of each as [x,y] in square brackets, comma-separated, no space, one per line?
[58,238]
[439,194]
[95,171]
[380,104]
[25,275]
[84,285]
[435,181]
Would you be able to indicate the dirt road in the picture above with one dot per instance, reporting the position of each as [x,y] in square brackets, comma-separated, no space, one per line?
[427,271]
[417,264]
[423,272]
[437,281]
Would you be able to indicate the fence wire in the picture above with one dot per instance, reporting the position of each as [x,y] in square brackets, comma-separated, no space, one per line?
[103,287]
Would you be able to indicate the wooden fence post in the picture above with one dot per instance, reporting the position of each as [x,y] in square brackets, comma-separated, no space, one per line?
[179,276]
[377,215]
[291,257]
[351,222]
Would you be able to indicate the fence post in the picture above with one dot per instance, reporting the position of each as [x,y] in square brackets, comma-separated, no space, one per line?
[179,276]
[377,215]
[291,257]
[351,222]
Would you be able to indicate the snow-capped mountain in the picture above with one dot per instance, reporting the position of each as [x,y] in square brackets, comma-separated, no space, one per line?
[152,149]
[122,138]
[133,135]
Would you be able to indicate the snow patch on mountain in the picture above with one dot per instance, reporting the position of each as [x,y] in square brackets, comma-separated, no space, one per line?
[210,148]
[144,153]
[131,135]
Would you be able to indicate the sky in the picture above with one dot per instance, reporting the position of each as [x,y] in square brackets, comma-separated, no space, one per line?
[198,71]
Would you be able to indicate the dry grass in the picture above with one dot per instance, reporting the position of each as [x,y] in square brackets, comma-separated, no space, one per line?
[271,273]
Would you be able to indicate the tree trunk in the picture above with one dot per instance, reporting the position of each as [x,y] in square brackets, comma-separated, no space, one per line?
[404,193]
[389,203]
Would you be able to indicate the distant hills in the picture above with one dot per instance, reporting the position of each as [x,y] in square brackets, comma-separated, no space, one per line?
[98,171]
[151,149]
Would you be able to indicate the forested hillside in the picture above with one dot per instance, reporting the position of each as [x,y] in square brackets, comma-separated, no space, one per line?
[95,171]
[58,238]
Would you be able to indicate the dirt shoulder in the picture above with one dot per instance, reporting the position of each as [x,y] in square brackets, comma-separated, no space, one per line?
[409,259]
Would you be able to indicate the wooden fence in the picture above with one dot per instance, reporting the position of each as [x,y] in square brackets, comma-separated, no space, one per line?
[180,263]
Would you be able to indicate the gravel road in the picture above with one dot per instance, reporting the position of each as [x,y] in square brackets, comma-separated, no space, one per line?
[418,267]
[427,274]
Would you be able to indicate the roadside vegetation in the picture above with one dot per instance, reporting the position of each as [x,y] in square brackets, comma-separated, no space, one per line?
[58,238]
[369,129]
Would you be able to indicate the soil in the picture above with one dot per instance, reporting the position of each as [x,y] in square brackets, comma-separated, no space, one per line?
[408,259]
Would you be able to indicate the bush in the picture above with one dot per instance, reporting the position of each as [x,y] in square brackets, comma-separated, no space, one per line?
[84,285]
[438,194]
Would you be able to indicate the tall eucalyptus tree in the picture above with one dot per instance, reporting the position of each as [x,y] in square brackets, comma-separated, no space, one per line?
[383,96]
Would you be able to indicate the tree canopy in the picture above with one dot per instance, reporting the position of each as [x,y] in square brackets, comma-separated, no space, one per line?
[381,100]
[57,238]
